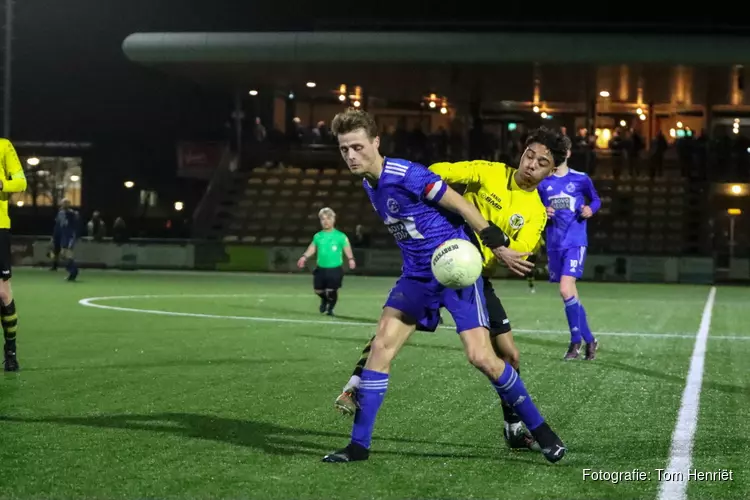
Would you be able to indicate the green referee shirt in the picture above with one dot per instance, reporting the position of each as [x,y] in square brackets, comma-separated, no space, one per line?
[330,247]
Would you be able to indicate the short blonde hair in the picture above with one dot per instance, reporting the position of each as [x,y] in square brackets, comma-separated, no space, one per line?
[326,211]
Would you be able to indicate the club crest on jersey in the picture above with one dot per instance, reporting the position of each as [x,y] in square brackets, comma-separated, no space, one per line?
[570,187]
[393,206]
[516,221]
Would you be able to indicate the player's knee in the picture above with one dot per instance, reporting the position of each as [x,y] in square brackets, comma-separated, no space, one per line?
[382,352]
[5,294]
[483,359]
[568,289]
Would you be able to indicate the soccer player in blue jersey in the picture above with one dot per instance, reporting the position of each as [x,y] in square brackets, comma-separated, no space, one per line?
[571,200]
[64,238]
[422,212]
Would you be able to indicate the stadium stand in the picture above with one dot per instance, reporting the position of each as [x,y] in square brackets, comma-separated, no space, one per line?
[278,205]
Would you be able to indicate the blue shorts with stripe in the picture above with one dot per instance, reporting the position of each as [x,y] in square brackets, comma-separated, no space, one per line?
[422,298]
[566,262]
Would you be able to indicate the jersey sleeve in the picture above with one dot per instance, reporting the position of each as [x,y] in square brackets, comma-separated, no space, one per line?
[463,172]
[590,192]
[529,237]
[542,190]
[316,239]
[344,240]
[15,182]
[424,184]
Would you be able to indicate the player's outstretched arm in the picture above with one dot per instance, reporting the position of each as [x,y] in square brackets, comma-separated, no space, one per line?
[306,255]
[492,236]
[461,172]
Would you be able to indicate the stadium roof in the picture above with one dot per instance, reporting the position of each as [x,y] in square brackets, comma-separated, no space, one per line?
[430,47]
[402,66]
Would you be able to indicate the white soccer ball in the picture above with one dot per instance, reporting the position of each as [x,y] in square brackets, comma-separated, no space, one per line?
[457,263]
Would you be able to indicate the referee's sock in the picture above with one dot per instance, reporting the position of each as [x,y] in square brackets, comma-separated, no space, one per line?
[323,300]
[333,297]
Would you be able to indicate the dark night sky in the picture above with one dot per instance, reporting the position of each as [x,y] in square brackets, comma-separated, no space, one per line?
[72,81]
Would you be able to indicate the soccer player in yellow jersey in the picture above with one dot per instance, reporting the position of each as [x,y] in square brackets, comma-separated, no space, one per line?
[12,180]
[508,198]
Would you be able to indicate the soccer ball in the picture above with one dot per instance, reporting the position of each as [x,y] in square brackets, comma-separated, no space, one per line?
[457,263]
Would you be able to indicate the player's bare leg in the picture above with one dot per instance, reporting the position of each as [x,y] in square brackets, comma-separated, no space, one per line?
[577,321]
[10,324]
[394,329]
[509,386]
[346,402]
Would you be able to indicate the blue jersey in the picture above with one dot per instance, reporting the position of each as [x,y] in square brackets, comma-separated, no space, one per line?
[406,198]
[567,195]
[66,224]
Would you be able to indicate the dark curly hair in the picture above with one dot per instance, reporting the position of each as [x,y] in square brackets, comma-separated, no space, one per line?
[558,144]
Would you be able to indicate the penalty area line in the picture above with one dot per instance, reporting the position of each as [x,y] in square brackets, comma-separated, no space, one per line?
[93,302]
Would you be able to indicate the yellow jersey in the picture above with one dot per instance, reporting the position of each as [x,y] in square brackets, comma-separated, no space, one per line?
[491,188]
[12,178]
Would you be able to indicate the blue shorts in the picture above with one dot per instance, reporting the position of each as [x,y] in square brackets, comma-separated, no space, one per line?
[422,298]
[566,262]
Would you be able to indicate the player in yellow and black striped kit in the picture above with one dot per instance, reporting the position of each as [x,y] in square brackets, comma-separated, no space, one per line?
[12,180]
[508,198]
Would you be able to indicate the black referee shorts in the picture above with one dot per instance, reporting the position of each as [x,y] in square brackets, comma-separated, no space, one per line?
[328,278]
[499,322]
[6,272]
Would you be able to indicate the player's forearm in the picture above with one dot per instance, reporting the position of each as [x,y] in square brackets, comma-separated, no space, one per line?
[348,252]
[520,246]
[492,236]
[14,185]
[309,252]
[595,205]
[457,204]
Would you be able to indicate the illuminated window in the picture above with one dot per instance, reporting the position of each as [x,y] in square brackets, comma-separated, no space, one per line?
[50,180]
[603,137]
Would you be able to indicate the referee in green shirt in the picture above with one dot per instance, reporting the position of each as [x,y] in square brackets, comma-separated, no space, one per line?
[329,243]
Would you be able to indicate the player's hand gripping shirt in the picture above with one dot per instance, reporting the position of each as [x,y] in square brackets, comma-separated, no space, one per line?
[406,199]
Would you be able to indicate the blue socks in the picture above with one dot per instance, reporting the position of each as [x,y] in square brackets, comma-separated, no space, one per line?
[510,388]
[370,395]
[579,326]
[588,337]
